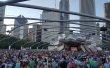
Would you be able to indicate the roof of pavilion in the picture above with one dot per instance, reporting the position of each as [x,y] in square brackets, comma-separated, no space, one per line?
[71,41]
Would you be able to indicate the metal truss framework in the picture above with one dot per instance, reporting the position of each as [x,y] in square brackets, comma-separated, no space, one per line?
[14,3]
[54,10]
[47,25]
[46,20]
[48,36]
[59,11]
[9,2]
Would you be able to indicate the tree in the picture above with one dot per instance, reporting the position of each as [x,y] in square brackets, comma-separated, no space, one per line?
[6,40]
[16,43]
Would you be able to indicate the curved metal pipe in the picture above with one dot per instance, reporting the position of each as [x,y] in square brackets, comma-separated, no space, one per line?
[9,2]
[59,11]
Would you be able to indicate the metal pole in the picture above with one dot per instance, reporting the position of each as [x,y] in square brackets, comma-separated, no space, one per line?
[9,2]
[54,20]
[57,10]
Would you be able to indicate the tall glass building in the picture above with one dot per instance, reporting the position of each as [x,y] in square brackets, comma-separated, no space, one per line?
[64,6]
[107,13]
[87,7]
[20,32]
[2,13]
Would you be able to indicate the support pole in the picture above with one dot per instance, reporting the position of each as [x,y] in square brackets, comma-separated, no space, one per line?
[60,11]
[10,2]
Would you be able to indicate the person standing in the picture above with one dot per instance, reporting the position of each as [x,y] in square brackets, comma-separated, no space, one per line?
[107,64]
[93,63]
[31,64]
[63,63]
[17,64]
[54,64]
[72,64]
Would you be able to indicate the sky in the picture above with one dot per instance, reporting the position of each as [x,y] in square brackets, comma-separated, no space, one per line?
[34,13]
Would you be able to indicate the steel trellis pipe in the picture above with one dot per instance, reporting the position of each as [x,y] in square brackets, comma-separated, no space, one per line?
[56,10]
[57,31]
[43,28]
[48,36]
[52,34]
[65,27]
[39,35]
[9,2]
[21,25]
[47,20]
[47,28]
[25,38]
[6,38]
[31,41]
[42,22]
[45,38]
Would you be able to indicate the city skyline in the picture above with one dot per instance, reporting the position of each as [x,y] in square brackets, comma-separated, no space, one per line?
[74,6]
[22,31]
[50,35]
[55,33]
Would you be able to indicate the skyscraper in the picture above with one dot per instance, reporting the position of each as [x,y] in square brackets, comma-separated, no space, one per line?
[50,30]
[87,7]
[3,30]
[31,35]
[64,6]
[37,32]
[2,13]
[107,13]
[22,31]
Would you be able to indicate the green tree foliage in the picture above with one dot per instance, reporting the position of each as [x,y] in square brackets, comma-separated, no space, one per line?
[16,43]
[5,41]
[40,45]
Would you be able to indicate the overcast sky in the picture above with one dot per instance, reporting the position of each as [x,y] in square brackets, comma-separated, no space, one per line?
[74,6]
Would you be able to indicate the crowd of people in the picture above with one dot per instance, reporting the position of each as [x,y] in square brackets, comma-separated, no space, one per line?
[51,59]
